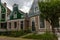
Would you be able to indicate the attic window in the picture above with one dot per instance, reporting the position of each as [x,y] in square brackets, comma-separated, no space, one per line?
[22,16]
[2,10]
[15,14]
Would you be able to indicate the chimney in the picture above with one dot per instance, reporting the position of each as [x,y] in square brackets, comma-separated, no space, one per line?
[5,4]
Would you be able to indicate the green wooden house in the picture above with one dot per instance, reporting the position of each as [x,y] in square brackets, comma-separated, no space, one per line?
[3,24]
[16,13]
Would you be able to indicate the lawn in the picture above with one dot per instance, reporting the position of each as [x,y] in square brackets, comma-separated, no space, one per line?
[45,36]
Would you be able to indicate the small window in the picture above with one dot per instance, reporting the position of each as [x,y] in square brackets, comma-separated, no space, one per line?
[21,24]
[15,24]
[3,25]
[22,16]
[41,23]
[15,15]
[36,8]
[2,10]
[10,25]
[3,16]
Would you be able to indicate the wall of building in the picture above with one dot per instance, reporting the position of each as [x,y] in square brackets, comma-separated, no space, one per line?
[11,25]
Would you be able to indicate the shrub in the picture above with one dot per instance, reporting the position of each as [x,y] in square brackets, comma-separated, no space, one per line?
[27,31]
[45,36]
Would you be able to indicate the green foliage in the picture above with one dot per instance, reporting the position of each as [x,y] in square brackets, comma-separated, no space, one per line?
[45,36]
[50,11]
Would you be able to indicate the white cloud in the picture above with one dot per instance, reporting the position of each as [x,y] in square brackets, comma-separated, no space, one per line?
[24,5]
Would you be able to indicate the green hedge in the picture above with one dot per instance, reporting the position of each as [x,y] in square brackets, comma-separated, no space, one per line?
[14,33]
[45,36]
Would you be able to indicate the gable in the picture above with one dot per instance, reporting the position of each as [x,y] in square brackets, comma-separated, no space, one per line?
[16,15]
[3,10]
[34,9]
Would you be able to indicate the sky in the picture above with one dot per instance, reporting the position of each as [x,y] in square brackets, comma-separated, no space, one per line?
[24,5]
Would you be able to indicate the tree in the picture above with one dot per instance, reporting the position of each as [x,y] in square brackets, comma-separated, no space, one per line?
[51,12]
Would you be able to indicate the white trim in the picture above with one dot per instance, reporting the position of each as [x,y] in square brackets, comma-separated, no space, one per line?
[0,12]
[39,21]
[6,18]
[16,20]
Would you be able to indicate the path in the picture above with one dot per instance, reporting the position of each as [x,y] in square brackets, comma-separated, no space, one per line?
[59,38]
[12,38]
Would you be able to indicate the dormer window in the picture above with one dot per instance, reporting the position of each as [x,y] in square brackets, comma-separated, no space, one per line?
[2,10]
[15,14]
[22,16]
[15,5]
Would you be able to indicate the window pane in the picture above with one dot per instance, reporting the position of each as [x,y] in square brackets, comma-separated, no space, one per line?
[9,25]
[15,24]
[41,23]
[21,24]
[33,26]
[3,16]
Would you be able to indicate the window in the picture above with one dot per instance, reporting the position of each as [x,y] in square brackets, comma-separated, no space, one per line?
[15,15]
[10,25]
[2,9]
[15,24]
[36,8]
[3,25]
[33,26]
[22,16]
[21,24]
[41,23]
[3,16]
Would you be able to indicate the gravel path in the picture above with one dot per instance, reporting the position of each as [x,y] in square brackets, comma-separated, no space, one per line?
[58,38]
[11,38]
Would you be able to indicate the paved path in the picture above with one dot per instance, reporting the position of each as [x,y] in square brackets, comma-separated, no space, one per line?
[12,38]
[58,38]
[58,34]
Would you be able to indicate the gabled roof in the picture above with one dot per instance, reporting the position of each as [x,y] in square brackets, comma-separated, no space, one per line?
[19,11]
[8,11]
[34,10]
[22,13]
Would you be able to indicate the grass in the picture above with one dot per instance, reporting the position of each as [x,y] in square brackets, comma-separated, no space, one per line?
[45,36]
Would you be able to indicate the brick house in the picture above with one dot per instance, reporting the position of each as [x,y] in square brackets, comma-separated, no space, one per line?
[18,20]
